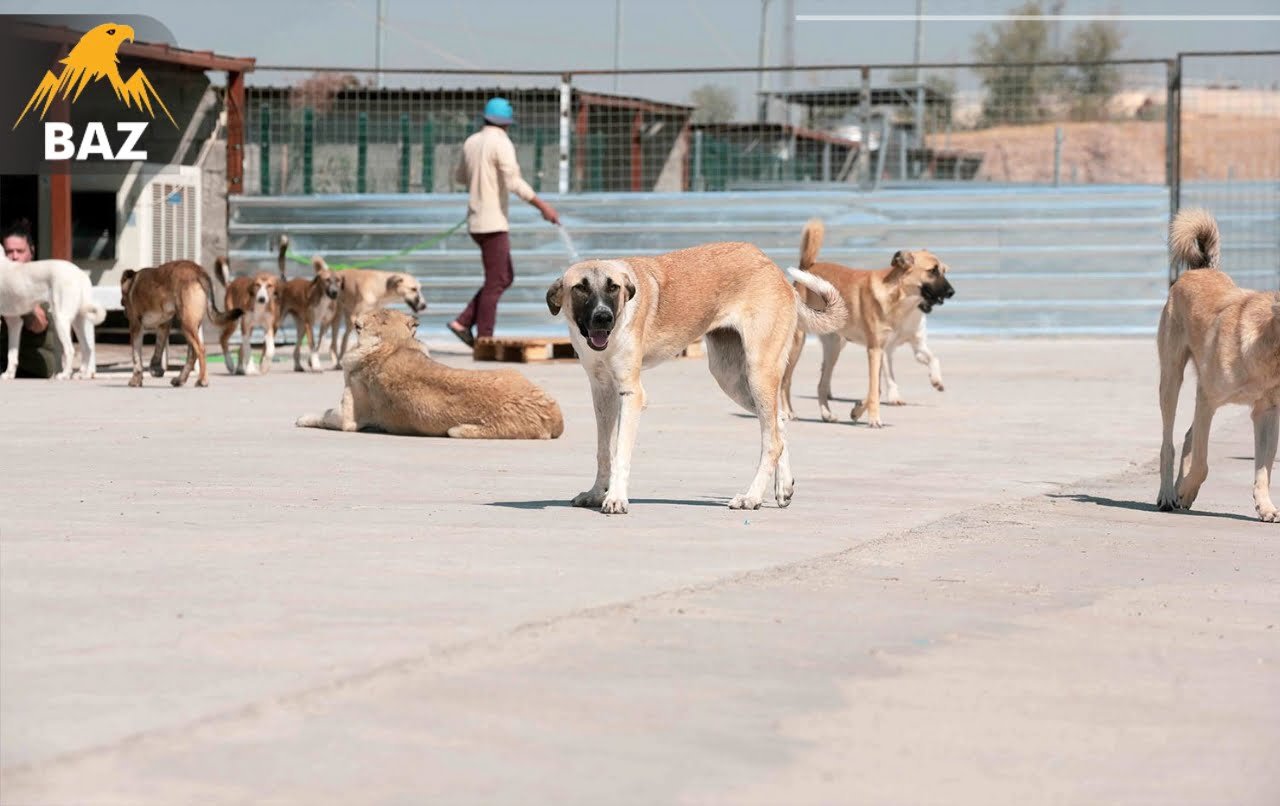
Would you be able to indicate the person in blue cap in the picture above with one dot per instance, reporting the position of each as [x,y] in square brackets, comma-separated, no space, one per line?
[489,170]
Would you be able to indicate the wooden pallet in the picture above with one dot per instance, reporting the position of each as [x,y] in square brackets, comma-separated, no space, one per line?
[524,350]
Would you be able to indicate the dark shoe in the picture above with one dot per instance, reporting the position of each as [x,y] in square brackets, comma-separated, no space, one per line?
[463,334]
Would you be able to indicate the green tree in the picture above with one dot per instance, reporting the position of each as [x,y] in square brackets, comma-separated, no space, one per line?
[713,104]
[1015,93]
[1094,84]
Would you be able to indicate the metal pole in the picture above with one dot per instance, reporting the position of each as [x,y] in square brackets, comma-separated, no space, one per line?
[763,51]
[789,59]
[865,126]
[1057,156]
[699,183]
[566,91]
[919,110]
[617,42]
[1173,145]
[377,44]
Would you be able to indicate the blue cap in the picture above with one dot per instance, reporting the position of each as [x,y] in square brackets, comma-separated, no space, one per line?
[498,110]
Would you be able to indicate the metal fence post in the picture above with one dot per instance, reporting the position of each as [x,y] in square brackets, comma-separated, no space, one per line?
[699,181]
[1057,155]
[362,151]
[264,149]
[428,158]
[537,161]
[405,152]
[1173,145]
[595,161]
[864,114]
[308,151]
[566,92]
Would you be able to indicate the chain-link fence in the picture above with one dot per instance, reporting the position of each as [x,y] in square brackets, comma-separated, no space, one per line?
[1228,135]
[330,131]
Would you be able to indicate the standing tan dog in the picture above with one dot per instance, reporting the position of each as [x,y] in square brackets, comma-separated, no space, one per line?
[627,315]
[392,385]
[886,307]
[365,290]
[312,303]
[1232,335]
[156,297]
[259,297]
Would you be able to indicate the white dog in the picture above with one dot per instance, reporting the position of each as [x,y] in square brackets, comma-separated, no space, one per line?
[69,293]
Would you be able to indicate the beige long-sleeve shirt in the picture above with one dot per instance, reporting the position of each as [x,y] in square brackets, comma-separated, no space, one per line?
[489,170]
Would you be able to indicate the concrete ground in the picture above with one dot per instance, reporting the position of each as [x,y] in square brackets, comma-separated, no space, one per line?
[200,603]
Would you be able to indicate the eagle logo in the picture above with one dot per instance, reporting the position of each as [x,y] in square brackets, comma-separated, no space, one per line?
[93,58]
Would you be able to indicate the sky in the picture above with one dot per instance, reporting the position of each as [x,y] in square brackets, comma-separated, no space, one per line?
[562,35]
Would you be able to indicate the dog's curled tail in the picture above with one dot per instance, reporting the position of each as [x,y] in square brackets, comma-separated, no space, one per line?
[96,313]
[1193,239]
[282,251]
[810,243]
[318,265]
[834,313]
[216,316]
[222,268]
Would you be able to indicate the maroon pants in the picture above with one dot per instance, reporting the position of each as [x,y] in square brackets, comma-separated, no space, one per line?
[495,251]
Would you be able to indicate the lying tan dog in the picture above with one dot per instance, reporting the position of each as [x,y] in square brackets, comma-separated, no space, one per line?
[393,386]
[1232,335]
[625,316]
[157,297]
[313,304]
[366,290]
[259,297]
[886,306]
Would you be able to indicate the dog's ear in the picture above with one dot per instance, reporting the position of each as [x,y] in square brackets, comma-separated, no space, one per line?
[318,264]
[395,281]
[901,263]
[554,295]
[631,290]
[411,322]
[128,275]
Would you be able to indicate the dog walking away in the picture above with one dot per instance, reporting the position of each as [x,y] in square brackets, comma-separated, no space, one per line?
[393,386]
[628,315]
[886,308]
[154,298]
[313,304]
[1232,335]
[365,290]
[69,293]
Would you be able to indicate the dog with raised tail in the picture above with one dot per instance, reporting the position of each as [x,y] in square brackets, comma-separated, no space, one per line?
[69,294]
[1232,335]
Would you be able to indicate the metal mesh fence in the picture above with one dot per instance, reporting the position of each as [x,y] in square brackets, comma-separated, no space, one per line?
[1229,156]
[327,131]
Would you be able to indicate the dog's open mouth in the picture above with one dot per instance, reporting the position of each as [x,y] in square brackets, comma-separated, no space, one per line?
[598,339]
[928,298]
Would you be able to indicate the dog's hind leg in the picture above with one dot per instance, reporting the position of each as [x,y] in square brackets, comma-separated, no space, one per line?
[83,327]
[832,344]
[135,339]
[1266,435]
[765,383]
[160,358]
[888,381]
[1195,452]
[14,326]
[1173,356]
[62,326]
[793,358]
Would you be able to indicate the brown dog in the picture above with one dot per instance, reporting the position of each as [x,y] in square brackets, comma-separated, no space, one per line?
[392,385]
[1232,335]
[884,307]
[259,298]
[312,303]
[156,297]
[366,290]
[627,315]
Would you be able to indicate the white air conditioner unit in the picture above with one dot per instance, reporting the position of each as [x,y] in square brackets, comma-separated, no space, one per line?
[168,217]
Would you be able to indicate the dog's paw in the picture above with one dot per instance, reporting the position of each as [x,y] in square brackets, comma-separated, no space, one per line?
[176,382]
[893,401]
[783,492]
[1271,515]
[199,382]
[1166,502]
[938,385]
[744,501]
[135,379]
[591,498]
[1187,496]
[614,505]
[827,416]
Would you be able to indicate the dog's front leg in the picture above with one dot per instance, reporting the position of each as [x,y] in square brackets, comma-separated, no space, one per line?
[924,355]
[887,379]
[135,336]
[14,325]
[1195,452]
[630,402]
[871,406]
[339,419]
[268,356]
[604,397]
[1266,434]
